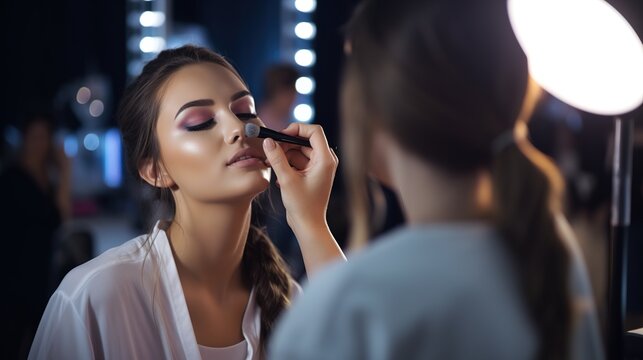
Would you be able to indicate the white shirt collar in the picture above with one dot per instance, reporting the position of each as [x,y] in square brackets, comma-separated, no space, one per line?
[251,323]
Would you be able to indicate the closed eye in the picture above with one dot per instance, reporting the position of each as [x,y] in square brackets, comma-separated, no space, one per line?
[246,116]
[208,124]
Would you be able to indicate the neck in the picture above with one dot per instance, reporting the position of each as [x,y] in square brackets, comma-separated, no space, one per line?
[428,195]
[208,241]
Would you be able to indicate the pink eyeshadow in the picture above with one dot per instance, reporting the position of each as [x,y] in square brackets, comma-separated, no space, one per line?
[195,118]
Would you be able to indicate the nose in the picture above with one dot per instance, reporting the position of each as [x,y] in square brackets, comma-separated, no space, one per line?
[234,130]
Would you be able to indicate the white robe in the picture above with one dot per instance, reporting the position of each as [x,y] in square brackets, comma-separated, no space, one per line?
[127,303]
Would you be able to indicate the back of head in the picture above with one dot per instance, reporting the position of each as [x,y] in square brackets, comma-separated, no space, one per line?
[448,80]
[446,77]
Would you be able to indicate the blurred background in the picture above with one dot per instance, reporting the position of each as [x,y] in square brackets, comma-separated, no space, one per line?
[68,62]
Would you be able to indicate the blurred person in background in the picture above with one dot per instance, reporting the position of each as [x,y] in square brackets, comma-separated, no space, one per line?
[35,202]
[436,98]
[205,282]
[279,95]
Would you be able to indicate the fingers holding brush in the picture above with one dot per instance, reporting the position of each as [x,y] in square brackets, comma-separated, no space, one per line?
[305,175]
[297,158]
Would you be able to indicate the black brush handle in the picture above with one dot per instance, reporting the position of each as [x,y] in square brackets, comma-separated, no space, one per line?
[268,133]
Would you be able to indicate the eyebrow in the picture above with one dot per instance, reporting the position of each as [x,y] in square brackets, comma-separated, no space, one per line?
[200,102]
[239,95]
[210,102]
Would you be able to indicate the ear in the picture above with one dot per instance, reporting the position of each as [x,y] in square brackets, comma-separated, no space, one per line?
[156,176]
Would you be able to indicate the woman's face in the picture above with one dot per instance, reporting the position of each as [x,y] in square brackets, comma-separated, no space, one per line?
[200,130]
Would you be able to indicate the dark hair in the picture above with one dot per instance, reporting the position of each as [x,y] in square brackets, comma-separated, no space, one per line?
[446,79]
[262,266]
[279,77]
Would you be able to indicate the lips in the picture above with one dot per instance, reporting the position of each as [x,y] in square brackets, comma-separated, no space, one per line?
[246,154]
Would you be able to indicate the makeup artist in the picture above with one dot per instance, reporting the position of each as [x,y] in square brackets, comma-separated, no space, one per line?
[205,283]
[435,99]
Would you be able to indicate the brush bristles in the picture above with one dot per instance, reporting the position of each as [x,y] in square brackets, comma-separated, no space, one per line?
[252,130]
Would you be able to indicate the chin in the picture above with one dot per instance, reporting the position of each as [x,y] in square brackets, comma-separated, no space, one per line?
[258,184]
[262,185]
[244,186]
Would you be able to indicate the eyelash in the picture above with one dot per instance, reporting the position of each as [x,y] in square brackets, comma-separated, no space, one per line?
[202,126]
[208,124]
[246,116]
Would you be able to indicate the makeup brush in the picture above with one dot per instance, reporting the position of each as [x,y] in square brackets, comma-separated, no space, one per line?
[254,130]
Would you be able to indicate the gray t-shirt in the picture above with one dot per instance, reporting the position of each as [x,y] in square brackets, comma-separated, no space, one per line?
[443,291]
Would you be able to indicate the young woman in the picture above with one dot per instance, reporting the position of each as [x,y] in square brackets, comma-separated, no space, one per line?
[436,97]
[204,283]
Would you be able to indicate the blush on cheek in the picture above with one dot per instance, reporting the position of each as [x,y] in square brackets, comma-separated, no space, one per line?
[192,148]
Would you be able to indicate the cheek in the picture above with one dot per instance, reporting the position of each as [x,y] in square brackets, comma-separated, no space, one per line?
[191,157]
[380,169]
[379,162]
[196,162]
[195,149]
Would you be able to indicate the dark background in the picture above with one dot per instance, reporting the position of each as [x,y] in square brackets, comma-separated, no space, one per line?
[46,44]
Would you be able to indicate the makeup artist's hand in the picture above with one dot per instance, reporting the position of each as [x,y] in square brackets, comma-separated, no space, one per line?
[305,177]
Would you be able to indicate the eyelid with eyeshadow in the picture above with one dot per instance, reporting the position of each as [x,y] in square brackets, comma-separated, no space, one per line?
[201,126]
